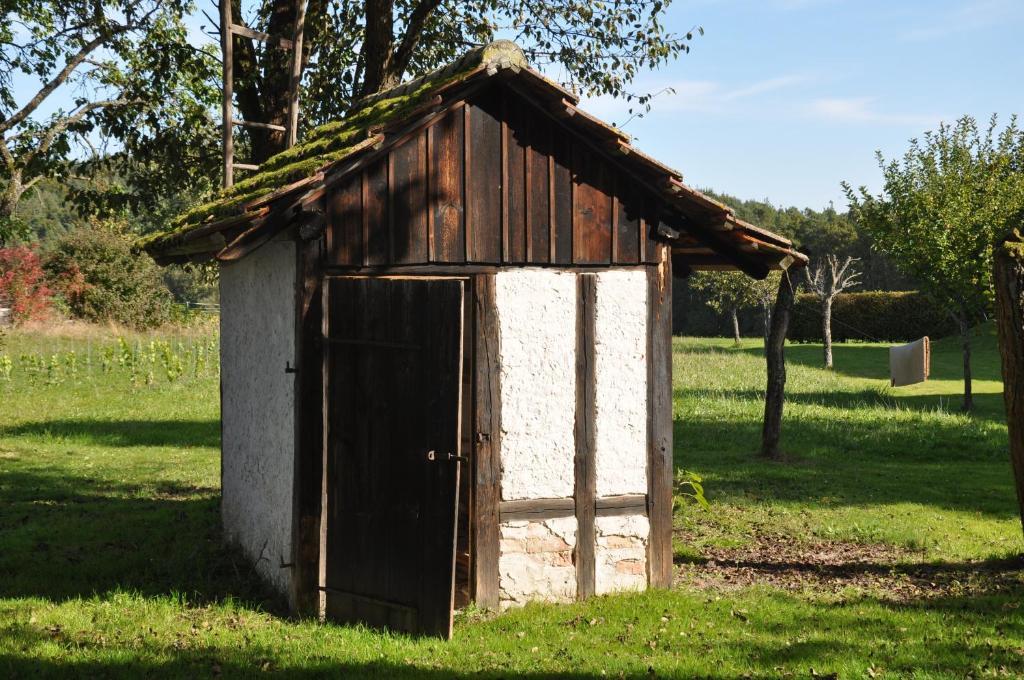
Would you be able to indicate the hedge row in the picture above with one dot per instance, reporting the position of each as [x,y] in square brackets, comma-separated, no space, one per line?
[879,315]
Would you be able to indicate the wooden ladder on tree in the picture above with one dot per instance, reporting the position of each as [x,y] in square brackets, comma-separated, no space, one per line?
[228,30]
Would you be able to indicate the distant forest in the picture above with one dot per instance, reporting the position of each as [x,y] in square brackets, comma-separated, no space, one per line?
[49,214]
[819,232]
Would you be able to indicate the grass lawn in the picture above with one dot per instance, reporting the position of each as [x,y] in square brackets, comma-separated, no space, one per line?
[111,563]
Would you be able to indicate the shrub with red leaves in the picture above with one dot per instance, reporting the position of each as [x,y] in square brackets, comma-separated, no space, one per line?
[23,284]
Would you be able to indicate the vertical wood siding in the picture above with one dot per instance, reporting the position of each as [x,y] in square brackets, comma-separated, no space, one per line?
[495,181]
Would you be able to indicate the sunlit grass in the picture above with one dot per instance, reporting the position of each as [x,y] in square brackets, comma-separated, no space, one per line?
[111,561]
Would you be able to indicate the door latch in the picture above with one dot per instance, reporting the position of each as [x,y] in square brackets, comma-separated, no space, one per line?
[433,456]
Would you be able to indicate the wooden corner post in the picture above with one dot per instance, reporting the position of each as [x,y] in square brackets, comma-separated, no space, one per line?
[309,443]
[585,490]
[486,443]
[660,473]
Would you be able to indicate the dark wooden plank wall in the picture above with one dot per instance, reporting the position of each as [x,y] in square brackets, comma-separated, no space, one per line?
[497,181]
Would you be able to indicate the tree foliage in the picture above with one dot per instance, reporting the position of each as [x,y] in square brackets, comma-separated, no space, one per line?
[731,292]
[140,101]
[944,204]
[102,279]
[942,208]
[353,49]
[23,286]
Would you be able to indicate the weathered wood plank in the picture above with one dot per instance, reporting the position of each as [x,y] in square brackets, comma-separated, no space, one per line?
[409,201]
[659,423]
[592,208]
[375,213]
[447,143]
[585,464]
[538,213]
[537,509]
[487,437]
[628,501]
[443,304]
[629,207]
[648,244]
[515,181]
[483,183]
[345,223]
[562,199]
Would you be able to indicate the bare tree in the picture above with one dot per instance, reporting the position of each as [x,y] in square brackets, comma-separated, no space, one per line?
[826,280]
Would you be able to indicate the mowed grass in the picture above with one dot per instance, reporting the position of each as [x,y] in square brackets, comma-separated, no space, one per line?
[866,462]
[111,561]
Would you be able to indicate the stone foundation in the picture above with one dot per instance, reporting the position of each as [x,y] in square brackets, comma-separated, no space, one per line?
[536,561]
[621,553]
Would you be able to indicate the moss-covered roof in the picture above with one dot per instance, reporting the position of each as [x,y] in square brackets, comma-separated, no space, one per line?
[333,142]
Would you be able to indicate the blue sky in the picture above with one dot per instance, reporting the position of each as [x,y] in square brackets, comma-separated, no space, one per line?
[783,99]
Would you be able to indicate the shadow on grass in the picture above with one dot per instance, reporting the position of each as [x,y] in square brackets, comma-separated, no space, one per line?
[68,536]
[987,406]
[854,463]
[224,663]
[179,433]
[937,571]
[872,361]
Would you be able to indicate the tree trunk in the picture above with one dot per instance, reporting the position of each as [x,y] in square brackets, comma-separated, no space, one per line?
[776,360]
[767,314]
[735,325]
[262,89]
[9,198]
[826,329]
[965,343]
[1008,277]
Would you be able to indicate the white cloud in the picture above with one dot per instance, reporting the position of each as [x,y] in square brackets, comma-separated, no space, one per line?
[862,110]
[688,95]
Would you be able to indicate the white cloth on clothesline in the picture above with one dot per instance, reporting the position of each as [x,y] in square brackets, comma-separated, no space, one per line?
[910,363]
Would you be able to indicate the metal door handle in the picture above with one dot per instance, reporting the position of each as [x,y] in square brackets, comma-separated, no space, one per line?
[432,457]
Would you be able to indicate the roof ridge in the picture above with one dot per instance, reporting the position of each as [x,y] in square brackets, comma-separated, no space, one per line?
[494,56]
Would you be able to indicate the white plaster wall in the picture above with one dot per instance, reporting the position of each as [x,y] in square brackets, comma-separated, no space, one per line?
[620,339]
[537,327]
[536,561]
[621,553]
[257,297]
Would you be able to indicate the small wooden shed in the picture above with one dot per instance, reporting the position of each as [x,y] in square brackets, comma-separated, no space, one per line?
[446,349]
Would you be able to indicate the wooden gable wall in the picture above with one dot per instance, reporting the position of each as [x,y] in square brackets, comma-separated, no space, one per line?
[493,181]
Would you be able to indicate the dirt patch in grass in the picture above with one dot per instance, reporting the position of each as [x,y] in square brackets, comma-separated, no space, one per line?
[885,571]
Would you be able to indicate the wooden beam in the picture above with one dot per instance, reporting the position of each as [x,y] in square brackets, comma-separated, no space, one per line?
[244,166]
[660,473]
[246,32]
[586,415]
[309,449]
[296,75]
[257,124]
[487,442]
[227,91]
[537,509]
[636,502]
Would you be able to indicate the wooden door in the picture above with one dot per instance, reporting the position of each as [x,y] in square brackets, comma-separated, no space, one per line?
[393,369]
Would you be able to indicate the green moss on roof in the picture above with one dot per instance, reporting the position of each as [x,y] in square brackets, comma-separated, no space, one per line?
[332,142]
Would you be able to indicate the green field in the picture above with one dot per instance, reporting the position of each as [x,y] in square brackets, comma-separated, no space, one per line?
[886,545]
